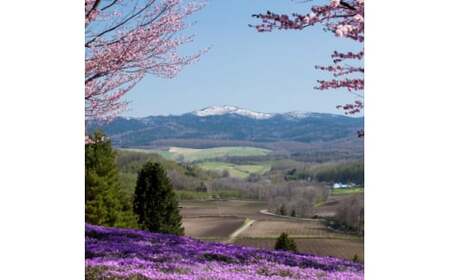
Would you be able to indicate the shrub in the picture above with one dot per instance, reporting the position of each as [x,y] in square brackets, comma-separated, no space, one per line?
[284,243]
[293,214]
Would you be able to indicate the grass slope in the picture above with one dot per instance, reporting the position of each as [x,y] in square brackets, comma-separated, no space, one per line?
[189,154]
[240,171]
[347,191]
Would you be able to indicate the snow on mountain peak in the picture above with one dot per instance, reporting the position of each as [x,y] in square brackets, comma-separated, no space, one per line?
[298,114]
[222,110]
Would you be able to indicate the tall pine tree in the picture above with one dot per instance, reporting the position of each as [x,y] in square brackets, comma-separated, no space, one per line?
[155,203]
[101,183]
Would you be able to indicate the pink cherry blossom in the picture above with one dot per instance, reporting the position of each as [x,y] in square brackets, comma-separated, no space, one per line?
[306,19]
[334,3]
[126,40]
[358,18]
[345,19]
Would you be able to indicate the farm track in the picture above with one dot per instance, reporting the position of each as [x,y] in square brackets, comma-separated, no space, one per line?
[234,235]
[266,212]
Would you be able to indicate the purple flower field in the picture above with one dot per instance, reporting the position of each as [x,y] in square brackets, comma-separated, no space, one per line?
[113,253]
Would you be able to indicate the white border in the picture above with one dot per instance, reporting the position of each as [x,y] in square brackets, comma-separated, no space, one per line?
[42,140]
[407,140]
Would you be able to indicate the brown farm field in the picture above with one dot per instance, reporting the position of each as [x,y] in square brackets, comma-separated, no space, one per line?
[217,220]
[215,228]
[342,248]
[295,228]
[329,208]
[219,208]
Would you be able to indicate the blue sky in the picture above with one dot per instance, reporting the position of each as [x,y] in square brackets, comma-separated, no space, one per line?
[268,72]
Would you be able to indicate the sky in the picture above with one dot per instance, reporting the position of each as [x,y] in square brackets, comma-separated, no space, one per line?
[266,72]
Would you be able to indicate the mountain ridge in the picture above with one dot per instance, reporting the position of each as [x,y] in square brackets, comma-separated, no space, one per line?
[216,110]
[231,123]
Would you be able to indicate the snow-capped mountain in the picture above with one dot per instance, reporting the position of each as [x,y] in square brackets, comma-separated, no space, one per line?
[227,109]
[231,123]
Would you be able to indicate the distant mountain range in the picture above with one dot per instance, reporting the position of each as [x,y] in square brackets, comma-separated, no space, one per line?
[231,123]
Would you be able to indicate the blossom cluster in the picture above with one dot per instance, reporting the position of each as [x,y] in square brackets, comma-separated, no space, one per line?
[133,254]
[124,41]
[345,19]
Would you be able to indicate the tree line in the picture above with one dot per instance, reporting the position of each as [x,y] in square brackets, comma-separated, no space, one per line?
[331,172]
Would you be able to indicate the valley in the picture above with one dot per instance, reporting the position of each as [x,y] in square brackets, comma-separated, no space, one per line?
[247,192]
[228,194]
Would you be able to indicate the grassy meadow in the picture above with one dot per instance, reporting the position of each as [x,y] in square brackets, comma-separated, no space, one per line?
[190,154]
[235,170]
[347,191]
[209,158]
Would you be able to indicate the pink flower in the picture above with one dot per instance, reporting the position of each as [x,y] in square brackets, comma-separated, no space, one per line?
[335,3]
[358,18]
[342,20]
[343,30]
[306,19]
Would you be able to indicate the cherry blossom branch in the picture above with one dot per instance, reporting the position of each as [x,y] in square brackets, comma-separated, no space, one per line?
[128,40]
[345,19]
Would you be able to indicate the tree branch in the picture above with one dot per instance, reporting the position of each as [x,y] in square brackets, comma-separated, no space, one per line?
[347,5]
[97,2]
[110,5]
[120,24]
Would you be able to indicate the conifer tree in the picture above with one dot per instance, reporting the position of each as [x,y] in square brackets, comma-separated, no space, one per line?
[293,213]
[101,182]
[155,203]
[285,243]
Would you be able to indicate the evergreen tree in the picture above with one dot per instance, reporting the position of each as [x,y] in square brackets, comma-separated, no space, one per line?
[101,182]
[155,203]
[293,214]
[285,243]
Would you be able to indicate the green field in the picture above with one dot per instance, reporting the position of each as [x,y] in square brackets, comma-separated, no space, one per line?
[240,171]
[183,195]
[346,191]
[189,154]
